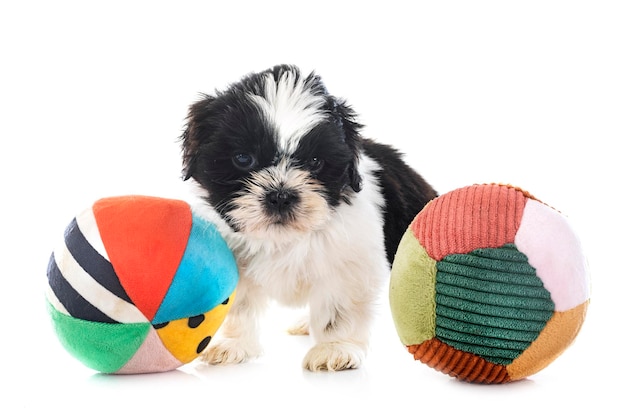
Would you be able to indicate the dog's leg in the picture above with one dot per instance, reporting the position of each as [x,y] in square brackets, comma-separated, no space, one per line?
[239,334]
[341,334]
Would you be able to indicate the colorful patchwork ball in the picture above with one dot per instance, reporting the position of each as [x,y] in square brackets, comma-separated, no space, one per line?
[139,284]
[489,285]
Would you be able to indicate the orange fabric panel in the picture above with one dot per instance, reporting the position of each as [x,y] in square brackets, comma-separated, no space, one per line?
[145,239]
[559,333]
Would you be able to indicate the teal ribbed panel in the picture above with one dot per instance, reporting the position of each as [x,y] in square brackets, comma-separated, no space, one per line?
[490,302]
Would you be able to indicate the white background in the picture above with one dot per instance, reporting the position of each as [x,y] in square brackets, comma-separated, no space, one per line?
[93,97]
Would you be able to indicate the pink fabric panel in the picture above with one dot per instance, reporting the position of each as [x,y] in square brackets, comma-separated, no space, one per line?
[152,356]
[555,251]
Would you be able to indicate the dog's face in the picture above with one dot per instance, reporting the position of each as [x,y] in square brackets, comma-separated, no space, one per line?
[274,153]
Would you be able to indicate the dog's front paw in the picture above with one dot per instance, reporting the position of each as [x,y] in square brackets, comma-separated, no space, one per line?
[335,356]
[229,351]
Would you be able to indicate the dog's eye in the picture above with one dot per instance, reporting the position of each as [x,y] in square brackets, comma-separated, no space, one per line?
[315,165]
[244,161]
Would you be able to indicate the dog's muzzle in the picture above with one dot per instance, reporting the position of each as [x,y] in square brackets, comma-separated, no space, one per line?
[282,202]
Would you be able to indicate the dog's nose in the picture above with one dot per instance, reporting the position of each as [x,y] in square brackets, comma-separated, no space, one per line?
[281,200]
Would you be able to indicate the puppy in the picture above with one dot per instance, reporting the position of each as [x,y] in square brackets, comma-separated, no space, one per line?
[312,210]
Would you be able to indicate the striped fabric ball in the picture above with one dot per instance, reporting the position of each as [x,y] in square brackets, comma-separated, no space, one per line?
[139,284]
[488,285]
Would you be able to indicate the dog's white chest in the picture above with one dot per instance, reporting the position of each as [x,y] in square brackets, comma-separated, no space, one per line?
[286,275]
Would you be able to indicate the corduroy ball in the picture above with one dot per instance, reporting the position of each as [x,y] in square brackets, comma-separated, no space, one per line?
[139,284]
[489,284]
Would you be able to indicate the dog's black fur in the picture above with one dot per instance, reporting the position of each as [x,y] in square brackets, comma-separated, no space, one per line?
[405,191]
[226,125]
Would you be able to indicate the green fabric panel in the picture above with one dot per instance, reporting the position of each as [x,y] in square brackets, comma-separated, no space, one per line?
[486,331]
[463,306]
[105,347]
[475,281]
[412,292]
[495,299]
[491,303]
[530,322]
[500,355]
[505,264]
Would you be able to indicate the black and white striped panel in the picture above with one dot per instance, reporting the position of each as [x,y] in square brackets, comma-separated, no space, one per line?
[82,282]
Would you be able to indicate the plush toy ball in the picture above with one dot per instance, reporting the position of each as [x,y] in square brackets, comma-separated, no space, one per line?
[139,284]
[489,284]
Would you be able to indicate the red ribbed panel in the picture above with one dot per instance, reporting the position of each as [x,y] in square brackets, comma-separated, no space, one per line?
[462,365]
[477,216]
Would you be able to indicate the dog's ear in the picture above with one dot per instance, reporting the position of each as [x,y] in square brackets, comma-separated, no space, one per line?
[345,117]
[195,129]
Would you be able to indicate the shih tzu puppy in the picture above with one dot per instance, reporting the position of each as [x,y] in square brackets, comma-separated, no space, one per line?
[312,210]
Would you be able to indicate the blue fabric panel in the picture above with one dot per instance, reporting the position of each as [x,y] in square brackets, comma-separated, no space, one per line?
[207,275]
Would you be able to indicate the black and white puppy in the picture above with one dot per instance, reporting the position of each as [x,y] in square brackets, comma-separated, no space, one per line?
[312,211]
